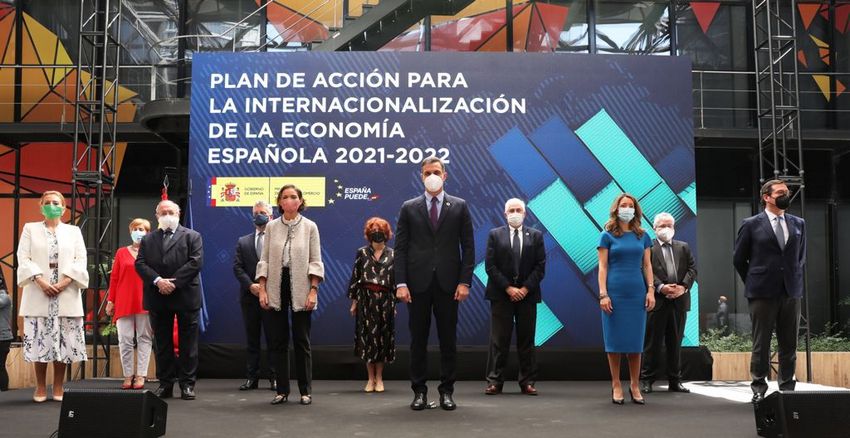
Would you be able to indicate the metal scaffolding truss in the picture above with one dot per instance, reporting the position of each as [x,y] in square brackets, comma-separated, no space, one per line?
[95,129]
[778,110]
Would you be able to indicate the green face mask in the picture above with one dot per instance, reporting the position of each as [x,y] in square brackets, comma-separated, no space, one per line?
[52,211]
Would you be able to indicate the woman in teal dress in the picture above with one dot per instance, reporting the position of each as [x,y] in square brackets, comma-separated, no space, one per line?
[625,291]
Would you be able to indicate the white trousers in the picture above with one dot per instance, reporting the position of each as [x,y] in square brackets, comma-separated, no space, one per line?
[140,326]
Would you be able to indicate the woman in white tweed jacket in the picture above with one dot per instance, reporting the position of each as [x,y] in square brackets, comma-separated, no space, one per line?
[289,273]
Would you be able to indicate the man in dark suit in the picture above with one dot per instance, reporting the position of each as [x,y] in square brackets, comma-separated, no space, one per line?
[169,263]
[770,257]
[434,257]
[515,264]
[674,272]
[248,250]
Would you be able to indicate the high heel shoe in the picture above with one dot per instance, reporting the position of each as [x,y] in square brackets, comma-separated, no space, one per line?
[617,401]
[128,385]
[39,398]
[370,386]
[379,386]
[139,382]
[280,398]
[637,401]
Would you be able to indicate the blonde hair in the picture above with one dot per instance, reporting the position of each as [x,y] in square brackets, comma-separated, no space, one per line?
[52,192]
[139,221]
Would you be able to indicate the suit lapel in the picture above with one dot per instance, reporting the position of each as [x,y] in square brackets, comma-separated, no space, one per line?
[658,256]
[425,213]
[166,246]
[444,211]
[765,222]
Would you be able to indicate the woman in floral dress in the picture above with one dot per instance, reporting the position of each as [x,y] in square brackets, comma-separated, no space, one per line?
[372,294]
[52,272]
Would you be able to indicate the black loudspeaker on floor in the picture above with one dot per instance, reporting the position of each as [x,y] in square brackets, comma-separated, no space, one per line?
[802,414]
[111,413]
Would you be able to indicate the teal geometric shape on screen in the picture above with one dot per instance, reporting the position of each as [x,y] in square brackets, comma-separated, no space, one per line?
[691,338]
[661,199]
[647,227]
[597,207]
[560,212]
[689,196]
[618,155]
[481,272]
[547,324]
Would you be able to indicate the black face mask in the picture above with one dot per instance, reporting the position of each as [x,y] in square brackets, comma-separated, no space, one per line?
[377,236]
[260,219]
[783,202]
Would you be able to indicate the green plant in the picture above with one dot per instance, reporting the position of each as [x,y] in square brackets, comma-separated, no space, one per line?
[109,329]
[828,340]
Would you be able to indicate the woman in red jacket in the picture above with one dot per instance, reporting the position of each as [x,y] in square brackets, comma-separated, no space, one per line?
[125,307]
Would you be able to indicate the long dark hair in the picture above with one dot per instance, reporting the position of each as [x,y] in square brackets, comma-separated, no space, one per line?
[613,224]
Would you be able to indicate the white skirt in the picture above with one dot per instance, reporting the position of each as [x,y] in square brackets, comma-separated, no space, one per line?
[54,338]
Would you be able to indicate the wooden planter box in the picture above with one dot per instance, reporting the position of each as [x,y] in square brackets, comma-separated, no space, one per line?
[828,368]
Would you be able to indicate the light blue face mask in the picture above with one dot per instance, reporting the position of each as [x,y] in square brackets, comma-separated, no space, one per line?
[137,235]
[626,214]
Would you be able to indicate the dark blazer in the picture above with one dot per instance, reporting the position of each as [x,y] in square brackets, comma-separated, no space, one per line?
[499,263]
[685,275]
[420,251]
[181,259]
[767,270]
[245,265]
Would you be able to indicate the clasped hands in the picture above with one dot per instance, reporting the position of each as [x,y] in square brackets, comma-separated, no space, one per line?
[672,291]
[166,285]
[516,293]
[51,290]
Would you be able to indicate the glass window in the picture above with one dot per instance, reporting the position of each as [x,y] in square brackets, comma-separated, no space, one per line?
[624,27]
[222,25]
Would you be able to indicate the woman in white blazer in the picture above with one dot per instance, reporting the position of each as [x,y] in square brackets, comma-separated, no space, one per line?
[52,269]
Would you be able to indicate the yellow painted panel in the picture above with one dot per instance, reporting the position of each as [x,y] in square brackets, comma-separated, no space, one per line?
[823,84]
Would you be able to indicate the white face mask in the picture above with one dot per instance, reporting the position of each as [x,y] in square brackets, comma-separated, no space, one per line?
[626,214]
[137,235]
[168,222]
[665,234]
[515,219]
[433,183]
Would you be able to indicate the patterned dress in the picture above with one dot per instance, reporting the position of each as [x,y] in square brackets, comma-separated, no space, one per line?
[372,285]
[54,338]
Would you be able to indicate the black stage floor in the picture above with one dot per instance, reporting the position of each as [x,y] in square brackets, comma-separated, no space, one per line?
[341,409]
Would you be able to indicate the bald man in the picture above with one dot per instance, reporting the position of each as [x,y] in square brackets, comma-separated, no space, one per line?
[169,263]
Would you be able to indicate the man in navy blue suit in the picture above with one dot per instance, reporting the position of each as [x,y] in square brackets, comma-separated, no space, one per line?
[434,259]
[249,248]
[770,255]
[515,264]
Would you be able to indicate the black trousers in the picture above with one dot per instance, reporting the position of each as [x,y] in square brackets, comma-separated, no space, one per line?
[4,375]
[502,317]
[666,325]
[170,368]
[256,320]
[278,334]
[783,314]
[444,308]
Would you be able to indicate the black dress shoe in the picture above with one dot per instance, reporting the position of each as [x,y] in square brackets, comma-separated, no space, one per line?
[645,386]
[677,387]
[187,393]
[420,401]
[273,384]
[446,402]
[164,391]
[757,398]
[249,384]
